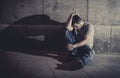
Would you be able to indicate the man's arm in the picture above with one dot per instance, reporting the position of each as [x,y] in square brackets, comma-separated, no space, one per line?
[87,37]
[79,44]
[82,43]
[69,21]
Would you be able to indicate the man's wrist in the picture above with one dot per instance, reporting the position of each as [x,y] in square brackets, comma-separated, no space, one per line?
[74,46]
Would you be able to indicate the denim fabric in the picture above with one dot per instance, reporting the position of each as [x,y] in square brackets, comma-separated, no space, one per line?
[82,54]
[70,39]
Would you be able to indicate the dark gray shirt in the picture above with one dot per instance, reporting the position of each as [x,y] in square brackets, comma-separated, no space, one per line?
[86,29]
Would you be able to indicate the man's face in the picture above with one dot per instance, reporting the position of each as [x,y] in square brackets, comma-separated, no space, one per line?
[78,25]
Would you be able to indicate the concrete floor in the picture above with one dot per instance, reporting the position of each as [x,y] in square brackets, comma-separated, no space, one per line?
[42,64]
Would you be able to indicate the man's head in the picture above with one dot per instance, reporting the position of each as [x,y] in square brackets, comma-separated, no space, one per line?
[77,21]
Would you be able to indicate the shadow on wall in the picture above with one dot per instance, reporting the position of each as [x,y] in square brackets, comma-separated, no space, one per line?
[27,32]
[24,36]
[37,20]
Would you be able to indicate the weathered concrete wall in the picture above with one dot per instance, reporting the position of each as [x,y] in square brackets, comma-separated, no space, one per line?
[58,10]
[99,12]
[115,39]
[107,39]
[102,42]
[104,14]
[12,10]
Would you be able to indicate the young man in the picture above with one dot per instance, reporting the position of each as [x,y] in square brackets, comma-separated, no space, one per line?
[79,37]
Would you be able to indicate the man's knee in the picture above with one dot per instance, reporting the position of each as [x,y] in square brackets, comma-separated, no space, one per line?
[67,32]
[69,37]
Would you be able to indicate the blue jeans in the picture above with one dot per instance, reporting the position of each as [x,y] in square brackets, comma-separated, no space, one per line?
[82,54]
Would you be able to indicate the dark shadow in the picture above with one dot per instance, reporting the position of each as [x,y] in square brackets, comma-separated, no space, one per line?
[37,20]
[68,67]
[35,25]
[14,37]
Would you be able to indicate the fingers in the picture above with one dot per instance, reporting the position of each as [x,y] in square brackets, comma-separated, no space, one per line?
[70,47]
[75,13]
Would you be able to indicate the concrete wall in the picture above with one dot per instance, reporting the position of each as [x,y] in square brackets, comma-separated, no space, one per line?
[104,14]
[59,10]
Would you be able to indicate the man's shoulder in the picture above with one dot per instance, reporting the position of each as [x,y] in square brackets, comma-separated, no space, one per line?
[89,27]
[88,24]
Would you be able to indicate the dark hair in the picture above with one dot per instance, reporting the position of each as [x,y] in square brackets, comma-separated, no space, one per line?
[76,19]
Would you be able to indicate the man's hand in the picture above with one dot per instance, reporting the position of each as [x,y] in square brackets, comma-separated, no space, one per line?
[70,47]
[74,13]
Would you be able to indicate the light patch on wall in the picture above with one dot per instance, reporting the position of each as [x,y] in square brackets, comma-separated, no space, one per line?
[39,37]
[3,26]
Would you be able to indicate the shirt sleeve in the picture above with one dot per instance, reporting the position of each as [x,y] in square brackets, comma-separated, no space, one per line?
[90,30]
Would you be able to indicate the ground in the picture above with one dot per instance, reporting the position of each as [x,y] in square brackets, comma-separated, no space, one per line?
[42,64]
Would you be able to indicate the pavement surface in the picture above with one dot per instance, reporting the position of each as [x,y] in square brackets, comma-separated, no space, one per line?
[44,64]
